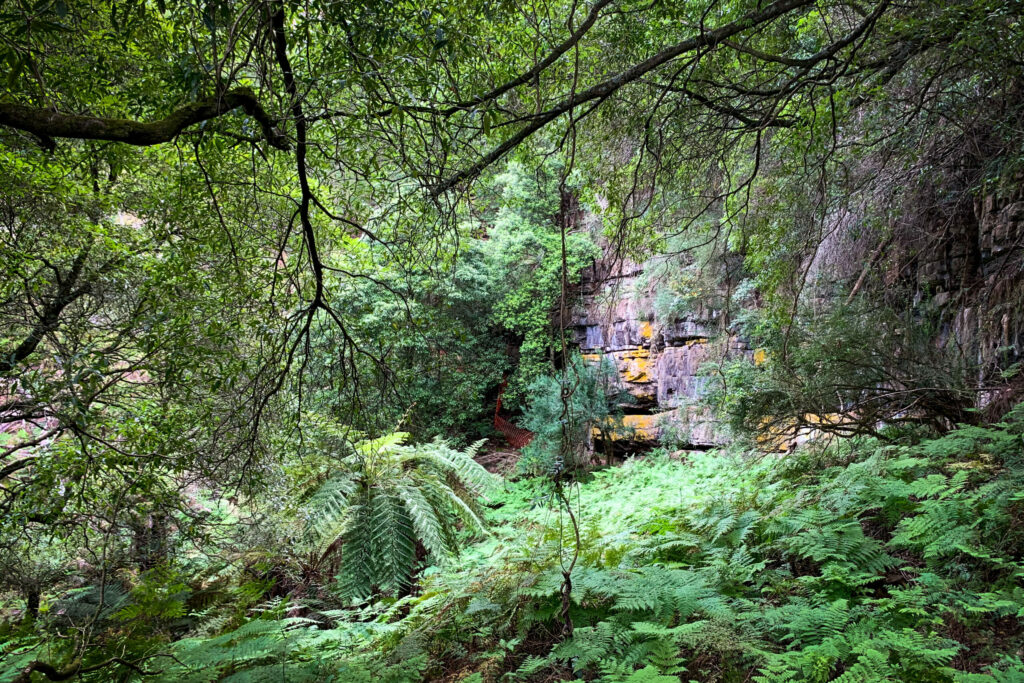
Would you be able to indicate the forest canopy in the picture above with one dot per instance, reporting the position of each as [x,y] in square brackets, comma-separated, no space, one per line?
[273,272]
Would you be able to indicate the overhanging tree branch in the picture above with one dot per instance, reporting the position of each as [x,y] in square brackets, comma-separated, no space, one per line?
[48,124]
[548,60]
[609,86]
[309,236]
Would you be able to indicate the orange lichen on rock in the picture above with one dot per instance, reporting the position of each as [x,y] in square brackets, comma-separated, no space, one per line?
[826,419]
[773,438]
[632,428]
[783,438]
[644,427]
[636,366]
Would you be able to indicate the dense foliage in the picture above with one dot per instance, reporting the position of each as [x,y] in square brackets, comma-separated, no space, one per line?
[266,268]
[860,561]
[566,411]
[449,332]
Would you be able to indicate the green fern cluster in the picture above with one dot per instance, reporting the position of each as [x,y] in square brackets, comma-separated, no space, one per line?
[292,649]
[880,563]
[388,497]
[863,563]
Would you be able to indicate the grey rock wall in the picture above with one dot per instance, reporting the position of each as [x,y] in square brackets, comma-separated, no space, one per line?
[656,361]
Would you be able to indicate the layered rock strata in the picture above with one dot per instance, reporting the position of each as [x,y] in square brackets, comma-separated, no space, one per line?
[656,361]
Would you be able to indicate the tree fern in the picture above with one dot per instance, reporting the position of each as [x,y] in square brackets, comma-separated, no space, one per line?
[388,496]
[428,527]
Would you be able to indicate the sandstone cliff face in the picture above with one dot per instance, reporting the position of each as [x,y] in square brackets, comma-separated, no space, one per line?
[996,319]
[656,361]
[960,259]
[965,261]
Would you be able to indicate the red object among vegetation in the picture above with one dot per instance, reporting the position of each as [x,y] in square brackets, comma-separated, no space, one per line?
[517,437]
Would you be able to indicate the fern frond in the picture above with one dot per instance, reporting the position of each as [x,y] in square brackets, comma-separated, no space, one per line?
[358,565]
[393,549]
[426,520]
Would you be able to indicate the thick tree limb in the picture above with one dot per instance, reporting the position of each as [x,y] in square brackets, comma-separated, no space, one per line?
[49,124]
[51,672]
[15,466]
